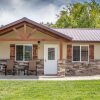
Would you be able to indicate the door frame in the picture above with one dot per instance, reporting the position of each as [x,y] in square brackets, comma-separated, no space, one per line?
[55,46]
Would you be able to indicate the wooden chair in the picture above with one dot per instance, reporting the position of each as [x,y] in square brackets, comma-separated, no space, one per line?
[2,69]
[10,67]
[32,67]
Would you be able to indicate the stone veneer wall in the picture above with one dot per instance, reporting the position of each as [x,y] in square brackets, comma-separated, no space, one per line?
[40,67]
[67,68]
[82,69]
[61,68]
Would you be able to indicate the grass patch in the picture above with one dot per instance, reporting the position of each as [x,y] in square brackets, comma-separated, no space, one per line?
[50,90]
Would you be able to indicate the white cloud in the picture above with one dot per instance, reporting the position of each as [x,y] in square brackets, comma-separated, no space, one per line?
[48,13]
[20,8]
[6,17]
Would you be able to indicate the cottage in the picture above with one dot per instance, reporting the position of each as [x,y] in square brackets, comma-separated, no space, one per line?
[59,51]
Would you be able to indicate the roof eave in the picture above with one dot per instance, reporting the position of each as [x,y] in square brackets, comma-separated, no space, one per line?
[36,24]
[96,41]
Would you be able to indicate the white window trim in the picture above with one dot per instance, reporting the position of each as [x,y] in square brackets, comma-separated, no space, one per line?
[23,52]
[80,53]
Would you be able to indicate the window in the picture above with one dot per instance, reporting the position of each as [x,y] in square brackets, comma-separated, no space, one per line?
[23,52]
[84,53]
[80,53]
[51,53]
[19,52]
[76,53]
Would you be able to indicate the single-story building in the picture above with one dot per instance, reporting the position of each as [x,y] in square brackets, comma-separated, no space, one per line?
[68,51]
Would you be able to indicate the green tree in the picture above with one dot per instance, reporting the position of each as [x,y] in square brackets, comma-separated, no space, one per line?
[81,15]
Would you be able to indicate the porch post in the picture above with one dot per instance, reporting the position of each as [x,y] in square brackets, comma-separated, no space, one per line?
[61,50]
[61,62]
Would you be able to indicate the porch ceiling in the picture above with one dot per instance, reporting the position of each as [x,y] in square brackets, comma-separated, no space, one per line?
[24,22]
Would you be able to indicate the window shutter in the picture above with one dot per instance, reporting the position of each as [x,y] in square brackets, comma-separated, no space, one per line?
[91,53]
[69,52]
[12,51]
[35,51]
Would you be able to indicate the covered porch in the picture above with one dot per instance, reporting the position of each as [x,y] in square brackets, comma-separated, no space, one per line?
[25,40]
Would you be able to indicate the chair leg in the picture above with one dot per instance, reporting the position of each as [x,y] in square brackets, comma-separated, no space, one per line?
[13,72]
[5,71]
[36,73]
[24,72]
[18,72]
[27,72]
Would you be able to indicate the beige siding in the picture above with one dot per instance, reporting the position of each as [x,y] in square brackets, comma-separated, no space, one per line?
[97,51]
[35,35]
[4,50]
[64,50]
[5,46]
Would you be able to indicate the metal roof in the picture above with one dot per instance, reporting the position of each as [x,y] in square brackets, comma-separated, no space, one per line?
[81,34]
[71,34]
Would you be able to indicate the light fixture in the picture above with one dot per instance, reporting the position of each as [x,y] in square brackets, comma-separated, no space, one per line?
[39,42]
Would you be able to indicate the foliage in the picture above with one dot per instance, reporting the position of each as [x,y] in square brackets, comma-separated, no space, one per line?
[81,15]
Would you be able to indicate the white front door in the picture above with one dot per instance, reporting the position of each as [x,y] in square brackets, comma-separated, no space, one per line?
[50,59]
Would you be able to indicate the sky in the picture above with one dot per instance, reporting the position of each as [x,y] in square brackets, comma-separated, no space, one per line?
[36,10]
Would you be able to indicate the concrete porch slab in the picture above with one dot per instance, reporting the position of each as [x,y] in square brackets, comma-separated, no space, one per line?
[46,78]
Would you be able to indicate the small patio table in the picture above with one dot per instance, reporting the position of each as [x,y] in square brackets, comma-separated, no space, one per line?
[21,67]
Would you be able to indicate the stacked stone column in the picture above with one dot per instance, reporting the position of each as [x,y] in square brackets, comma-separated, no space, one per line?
[40,67]
[61,68]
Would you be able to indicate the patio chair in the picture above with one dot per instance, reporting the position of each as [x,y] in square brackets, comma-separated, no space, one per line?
[10,67]
[32,68]
[2,69]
